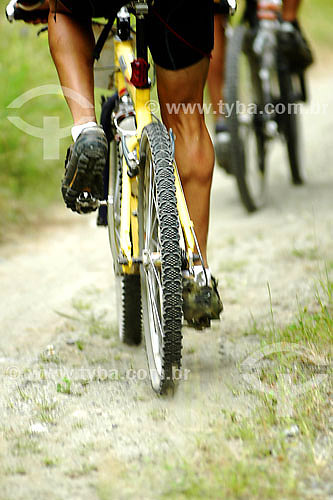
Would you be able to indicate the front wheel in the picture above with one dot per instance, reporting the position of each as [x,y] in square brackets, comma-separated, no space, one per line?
[161,283]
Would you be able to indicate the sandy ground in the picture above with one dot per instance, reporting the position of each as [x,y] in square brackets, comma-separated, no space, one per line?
[58,446]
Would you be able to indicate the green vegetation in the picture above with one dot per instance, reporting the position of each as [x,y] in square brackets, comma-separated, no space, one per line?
[50,461]
[46,410]
[93,323]
[65,386]
[27,182]
[317,20]
[313,327]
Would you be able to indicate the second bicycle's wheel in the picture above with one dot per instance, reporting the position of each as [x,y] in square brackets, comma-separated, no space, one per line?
[161,278]
[128,292]
[244,98]
[290,124]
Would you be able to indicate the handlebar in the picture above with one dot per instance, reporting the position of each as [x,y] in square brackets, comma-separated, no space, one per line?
[14,13]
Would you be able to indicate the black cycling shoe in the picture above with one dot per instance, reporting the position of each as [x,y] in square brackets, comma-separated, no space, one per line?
[295,46]
[201,304]
[84,167]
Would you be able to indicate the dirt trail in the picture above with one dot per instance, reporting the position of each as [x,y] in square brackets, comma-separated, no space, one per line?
[56,445]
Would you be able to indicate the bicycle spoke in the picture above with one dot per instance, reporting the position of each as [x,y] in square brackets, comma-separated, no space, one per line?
[155,273]
[153,303]
[149,204]
[157,332]
[153,242]
[117,236]
[152,216]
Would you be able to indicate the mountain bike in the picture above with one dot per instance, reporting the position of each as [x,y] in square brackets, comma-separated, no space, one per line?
[151,235]
[263,92]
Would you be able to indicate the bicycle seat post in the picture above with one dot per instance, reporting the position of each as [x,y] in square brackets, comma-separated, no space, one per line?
[140,65]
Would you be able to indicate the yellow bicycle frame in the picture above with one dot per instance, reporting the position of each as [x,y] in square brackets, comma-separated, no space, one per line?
[129,234]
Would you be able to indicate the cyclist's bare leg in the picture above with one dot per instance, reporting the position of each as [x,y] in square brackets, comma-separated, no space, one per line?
[194,149]
[215,79]
[71,44]
[290,10]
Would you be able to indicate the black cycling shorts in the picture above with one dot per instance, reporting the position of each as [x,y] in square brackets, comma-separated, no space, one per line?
[179,32]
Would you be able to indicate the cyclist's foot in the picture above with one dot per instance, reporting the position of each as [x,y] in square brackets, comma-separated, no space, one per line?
[84,167]
[295,46]
[201,302]
[222,145]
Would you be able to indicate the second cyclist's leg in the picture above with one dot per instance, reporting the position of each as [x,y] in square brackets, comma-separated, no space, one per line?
[290,9]
[215,83]
[71,44]
[215,79]
[293,42]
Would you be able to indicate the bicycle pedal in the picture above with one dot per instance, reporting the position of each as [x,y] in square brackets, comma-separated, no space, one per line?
[201,304]
[86,203]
